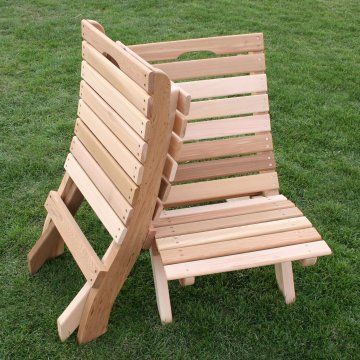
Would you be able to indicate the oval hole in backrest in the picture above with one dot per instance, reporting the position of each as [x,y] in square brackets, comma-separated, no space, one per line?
[195,55]
[111,59]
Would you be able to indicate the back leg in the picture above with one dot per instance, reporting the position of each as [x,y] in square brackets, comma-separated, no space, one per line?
[285,280]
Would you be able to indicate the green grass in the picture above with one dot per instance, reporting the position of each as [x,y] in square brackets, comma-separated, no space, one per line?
[313,71]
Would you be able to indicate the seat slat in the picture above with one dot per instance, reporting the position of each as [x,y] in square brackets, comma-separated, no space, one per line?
[133,68]
[112,169]
[247,260]
[182,70]
[221,210]
[111,143]
[227,147]
[230,106]
[225,167]
[227,127]
[238,246]
[219,45]
[108,190]
[226,222]
[236,232]
[95,199]
[121,82]
[114,122]
[116,100]
[221,189]
[236,85]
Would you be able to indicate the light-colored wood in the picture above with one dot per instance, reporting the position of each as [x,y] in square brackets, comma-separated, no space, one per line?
[236,232]
[175,146]
[238,246]
[225,167]
[237,85]
[107,189]
[161,287]
[182,70]
[187,281]
[221,189]
[285,280]
[308,262]
[109,165]
[247,260]
[228,147]
[114,122]
[84,255]
[116,148]
[180,124]
[240,105]
[227,127]
[135,119]
[219,45]
[227,222]
[221,210]
[95,199]
[136,70]
[121,82]
[170,168]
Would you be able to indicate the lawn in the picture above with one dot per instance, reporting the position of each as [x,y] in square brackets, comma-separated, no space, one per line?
[313,72]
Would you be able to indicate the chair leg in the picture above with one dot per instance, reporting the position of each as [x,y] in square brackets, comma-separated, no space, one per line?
[187,281]
[161,286]
[285,280]
[50,243]
[308,262]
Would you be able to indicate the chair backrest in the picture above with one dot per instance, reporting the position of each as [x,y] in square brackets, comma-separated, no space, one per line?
[122,131]
[221,145]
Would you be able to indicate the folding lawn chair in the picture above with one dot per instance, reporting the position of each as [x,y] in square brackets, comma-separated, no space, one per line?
[222,149]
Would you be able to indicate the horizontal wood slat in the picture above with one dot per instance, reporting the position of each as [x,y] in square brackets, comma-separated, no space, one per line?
[181,70]
[236,85]
[133,68]
[170,168]
[84,255]
[121,82]
[226,222]
[108,190]
[219,45]
[112,144]
[226,147]
[227,127]
[247,260]
[116,100]
[230,106]
[237,232]
[95,199]
[221,189]
[109,165]
[114,122]
[221,210]
[238,246]
[225,167]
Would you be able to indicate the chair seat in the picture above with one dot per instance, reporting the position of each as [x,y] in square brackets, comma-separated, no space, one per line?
[234,235]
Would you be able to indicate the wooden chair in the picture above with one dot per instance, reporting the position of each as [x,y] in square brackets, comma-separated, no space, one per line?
[221,150]
[122,134]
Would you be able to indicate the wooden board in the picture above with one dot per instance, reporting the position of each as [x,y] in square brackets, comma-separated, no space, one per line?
[117,101]
[112,144]
[247,260]
[238,246]
[227,127]
[236,85]
[221,189]
[224,147]
[226,222]
[108,190]
[95,199]
[114,122]
[121,82]
[109,165]
[229,106]
[225,167]
[136,70]
[181,70]
[219,45]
